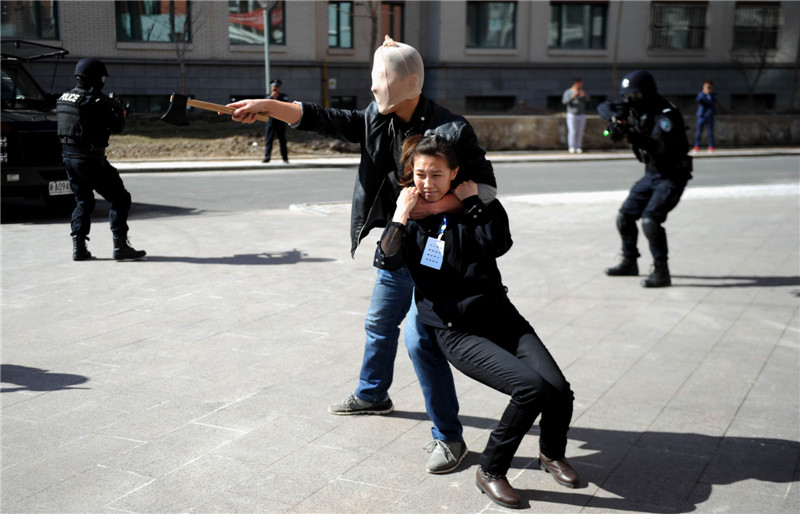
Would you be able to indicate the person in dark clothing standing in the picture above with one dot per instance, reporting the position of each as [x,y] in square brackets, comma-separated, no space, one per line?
[86,120]
[276,127]
[656,132]
[460,297]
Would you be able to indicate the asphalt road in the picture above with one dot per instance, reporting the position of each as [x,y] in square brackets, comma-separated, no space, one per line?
[165,194]
[277,189]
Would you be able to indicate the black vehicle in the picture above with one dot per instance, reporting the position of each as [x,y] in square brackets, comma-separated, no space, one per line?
[31,152]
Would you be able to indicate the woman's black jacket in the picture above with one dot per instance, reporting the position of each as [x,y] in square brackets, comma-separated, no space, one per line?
[467,292]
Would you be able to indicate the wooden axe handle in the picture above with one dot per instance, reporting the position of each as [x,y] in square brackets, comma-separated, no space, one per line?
[208,106]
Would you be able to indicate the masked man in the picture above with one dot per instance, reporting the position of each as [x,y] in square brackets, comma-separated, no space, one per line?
[86,120]
[657,135]
[399,109]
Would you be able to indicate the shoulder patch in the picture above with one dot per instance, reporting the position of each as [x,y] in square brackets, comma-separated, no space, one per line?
[665,124]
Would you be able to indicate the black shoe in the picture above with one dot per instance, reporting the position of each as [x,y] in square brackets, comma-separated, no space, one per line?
[79,250]
[660,276]
[124,252]
[266,160]
[626,267]
[286,160]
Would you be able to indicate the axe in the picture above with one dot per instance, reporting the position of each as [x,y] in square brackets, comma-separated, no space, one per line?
[176,114]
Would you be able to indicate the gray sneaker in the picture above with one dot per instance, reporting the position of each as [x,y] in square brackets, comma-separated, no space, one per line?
[445,456]
[354,405]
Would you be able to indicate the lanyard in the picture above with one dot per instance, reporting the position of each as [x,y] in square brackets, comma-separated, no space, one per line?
[442,229]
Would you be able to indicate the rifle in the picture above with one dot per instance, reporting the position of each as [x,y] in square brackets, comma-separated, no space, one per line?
[615,113]
[119,104]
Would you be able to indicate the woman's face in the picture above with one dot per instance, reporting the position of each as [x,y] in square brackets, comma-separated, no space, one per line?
[432,176]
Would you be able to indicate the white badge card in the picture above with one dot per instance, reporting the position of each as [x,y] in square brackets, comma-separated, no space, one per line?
[434,254]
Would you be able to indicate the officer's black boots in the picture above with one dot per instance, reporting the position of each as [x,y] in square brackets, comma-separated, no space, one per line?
[626,267]
[660,276]
[79,250]
[123,250]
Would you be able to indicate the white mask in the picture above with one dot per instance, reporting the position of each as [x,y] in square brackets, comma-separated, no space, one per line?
[397,75]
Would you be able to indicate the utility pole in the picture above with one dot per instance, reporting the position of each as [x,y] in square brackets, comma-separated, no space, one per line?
[267,6]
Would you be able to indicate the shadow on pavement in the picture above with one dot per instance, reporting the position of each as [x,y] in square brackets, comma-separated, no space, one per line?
[289,257]
[37,212]
[739,281]
[652,471]
[35,379]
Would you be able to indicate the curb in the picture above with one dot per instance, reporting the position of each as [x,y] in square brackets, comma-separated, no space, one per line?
[352,160]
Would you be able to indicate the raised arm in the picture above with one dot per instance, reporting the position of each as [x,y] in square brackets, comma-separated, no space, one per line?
[246,110]
[389,254]
[473,166]
[487,224]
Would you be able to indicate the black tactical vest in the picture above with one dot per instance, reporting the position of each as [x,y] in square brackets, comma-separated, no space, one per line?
[71,125]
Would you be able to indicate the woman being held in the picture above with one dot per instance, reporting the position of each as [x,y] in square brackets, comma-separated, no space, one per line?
[461,298]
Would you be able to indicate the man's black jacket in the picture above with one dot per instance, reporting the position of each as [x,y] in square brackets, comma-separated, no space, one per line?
[381,137]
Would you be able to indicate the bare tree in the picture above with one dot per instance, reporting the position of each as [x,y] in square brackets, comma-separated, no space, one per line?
[795,104]
[374,16]
[754,58]
[181,34]
[374,7]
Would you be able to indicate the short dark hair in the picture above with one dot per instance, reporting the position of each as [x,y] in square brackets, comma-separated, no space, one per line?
[433,145]
[276,82]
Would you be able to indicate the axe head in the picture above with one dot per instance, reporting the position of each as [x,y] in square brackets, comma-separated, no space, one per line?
[176,114]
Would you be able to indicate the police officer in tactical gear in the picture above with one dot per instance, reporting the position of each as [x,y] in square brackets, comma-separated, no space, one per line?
[656,132]
[86,119]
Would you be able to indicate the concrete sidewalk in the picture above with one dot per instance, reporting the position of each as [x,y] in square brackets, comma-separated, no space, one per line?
[199,379]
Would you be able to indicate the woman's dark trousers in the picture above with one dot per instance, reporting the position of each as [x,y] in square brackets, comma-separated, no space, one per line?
[510,357]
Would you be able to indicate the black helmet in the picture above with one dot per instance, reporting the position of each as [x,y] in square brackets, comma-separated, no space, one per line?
[638,81]
[91,70]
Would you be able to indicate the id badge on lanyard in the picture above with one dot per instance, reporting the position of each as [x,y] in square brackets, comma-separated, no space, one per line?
[433,256]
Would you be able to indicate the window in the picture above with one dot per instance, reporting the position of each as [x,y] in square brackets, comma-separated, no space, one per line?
[246,22]
[340,24]
[154,21]
[756,103]
[756,26]
[491,24]
[392,20]
[151,104]
[25,19]
[677,25]
[489,104]
[578,25]
[20,90]
[343,102]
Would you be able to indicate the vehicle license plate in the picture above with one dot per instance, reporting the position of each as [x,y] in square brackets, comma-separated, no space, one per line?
[60,187]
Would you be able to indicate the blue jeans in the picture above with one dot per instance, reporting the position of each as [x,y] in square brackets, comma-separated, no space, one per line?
[708,122]
[392,298]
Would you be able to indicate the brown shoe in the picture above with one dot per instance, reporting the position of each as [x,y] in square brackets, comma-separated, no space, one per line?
[498,489]
[561,471]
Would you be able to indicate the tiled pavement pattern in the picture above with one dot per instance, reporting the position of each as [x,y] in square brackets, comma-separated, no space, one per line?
[199,379]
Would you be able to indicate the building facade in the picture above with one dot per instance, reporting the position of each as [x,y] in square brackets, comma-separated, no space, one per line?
[481,57]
